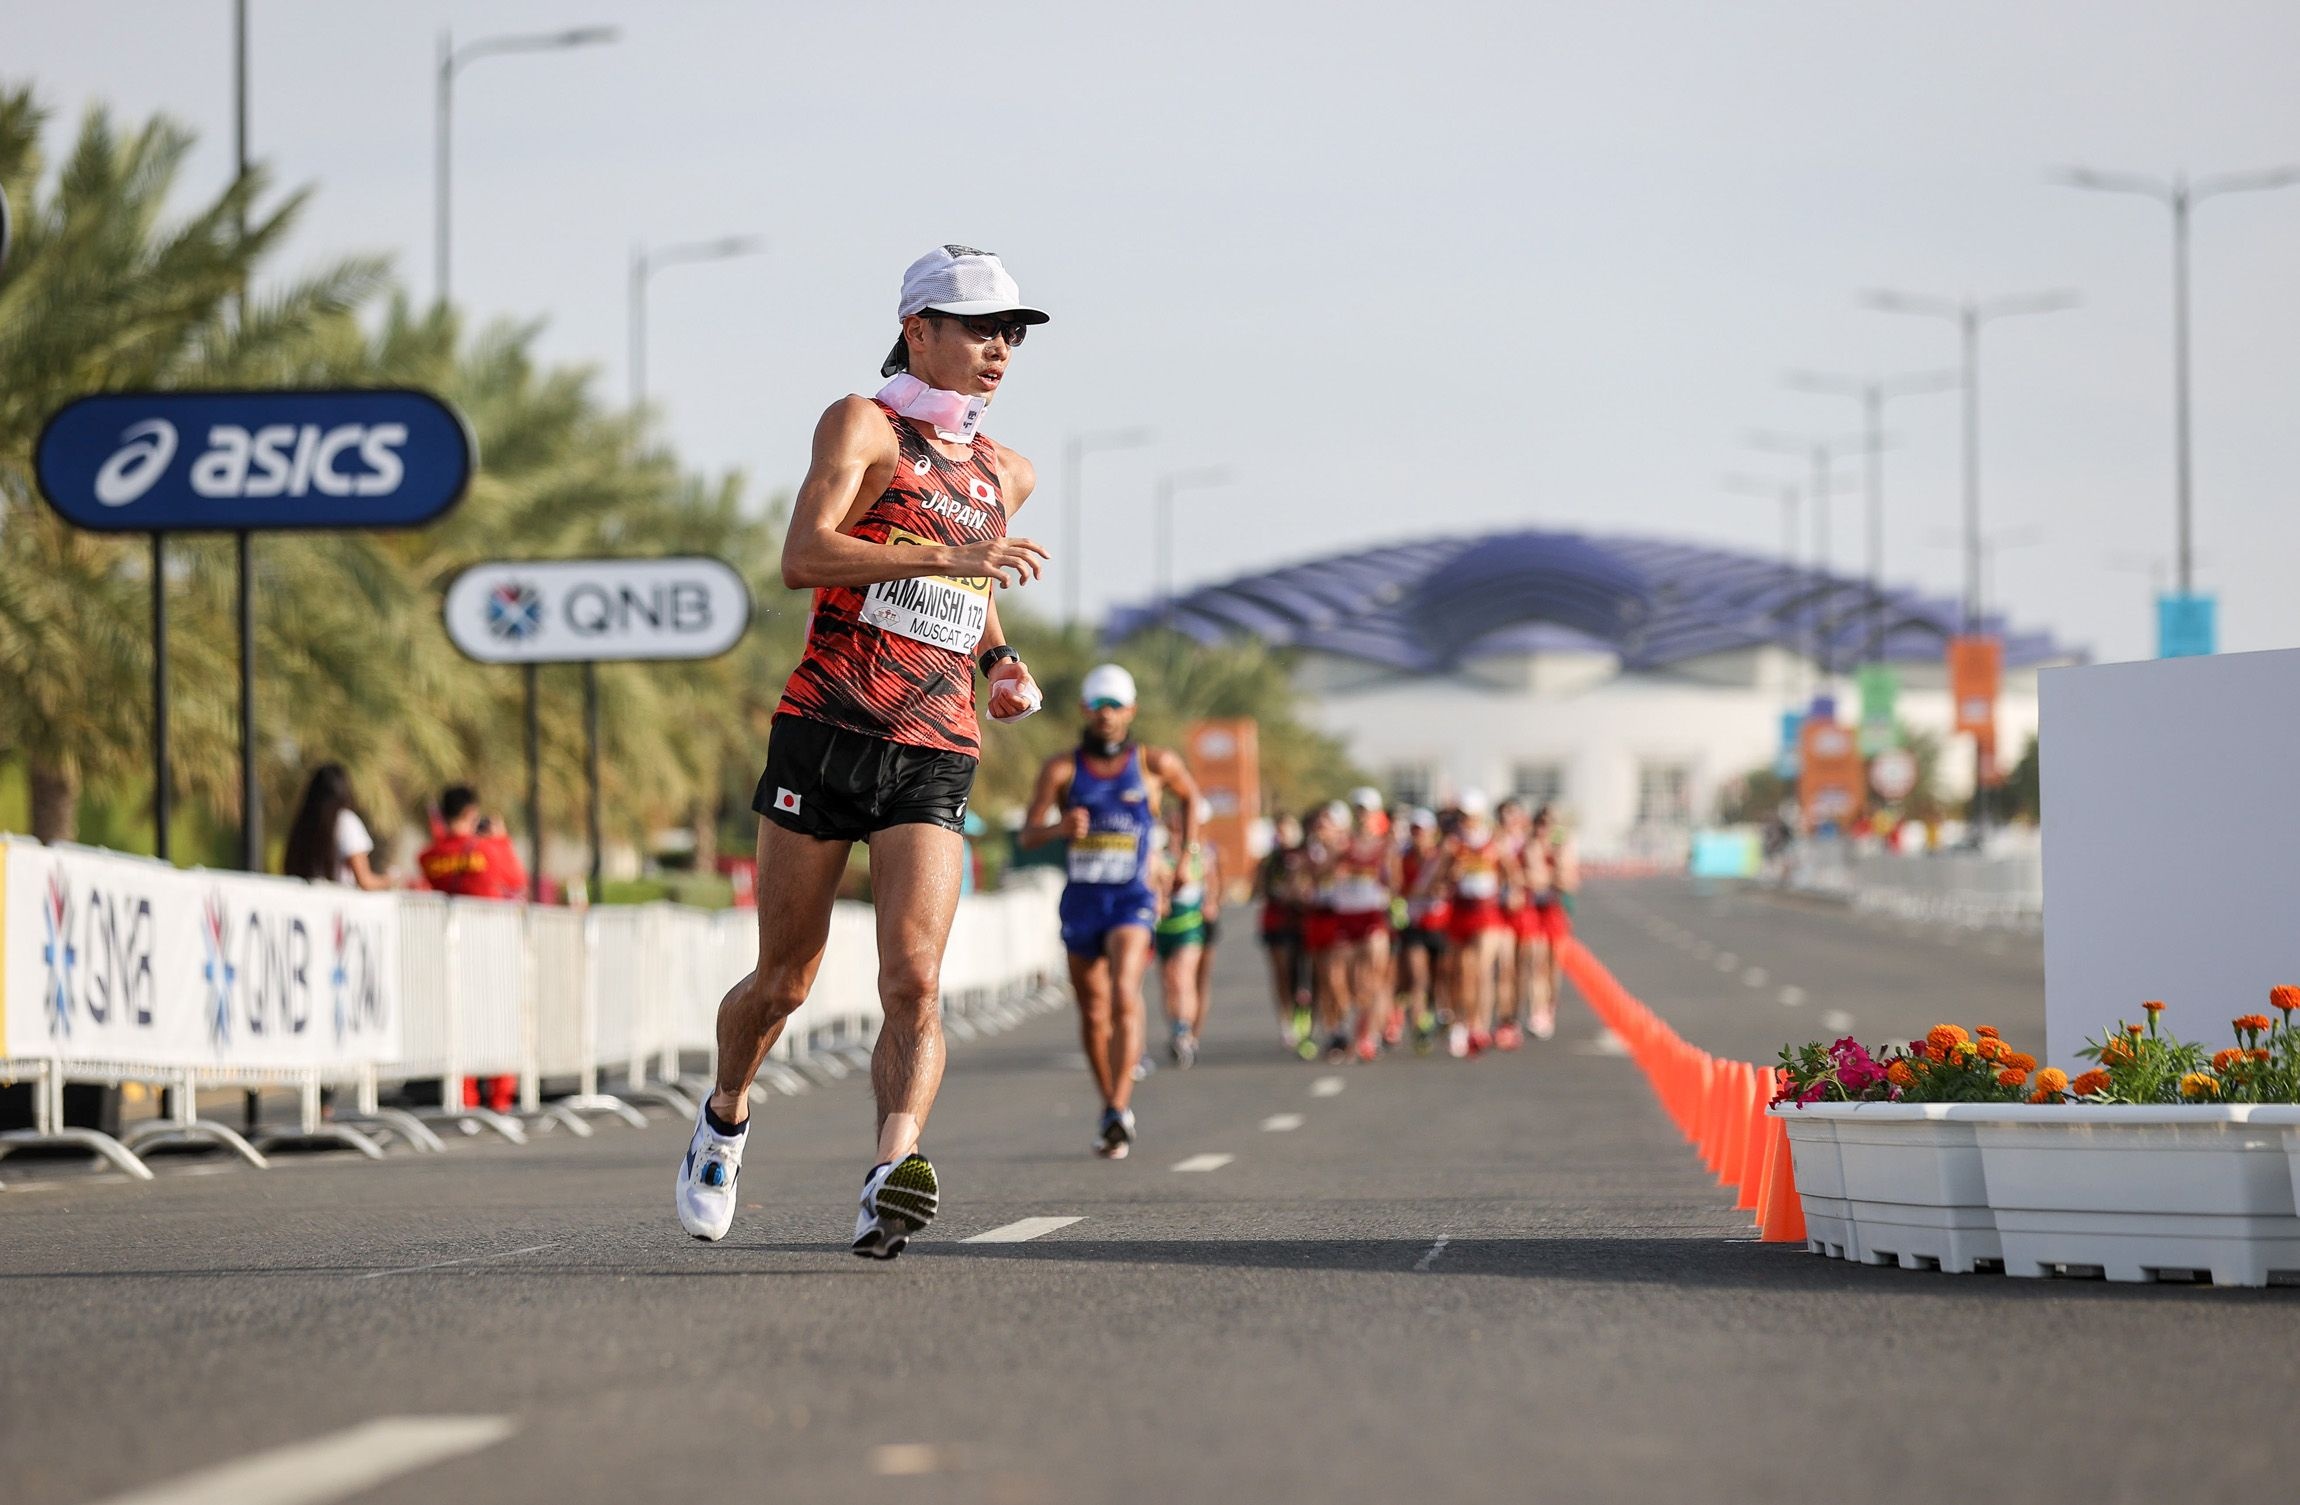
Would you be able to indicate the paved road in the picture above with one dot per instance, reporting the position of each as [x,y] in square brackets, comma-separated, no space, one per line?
[1451,1281]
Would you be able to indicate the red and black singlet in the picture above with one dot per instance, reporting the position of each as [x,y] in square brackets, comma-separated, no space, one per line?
[896,660]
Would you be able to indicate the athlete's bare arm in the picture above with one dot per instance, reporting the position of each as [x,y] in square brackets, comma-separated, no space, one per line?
[854,457]
[1053,783]
[1166,766]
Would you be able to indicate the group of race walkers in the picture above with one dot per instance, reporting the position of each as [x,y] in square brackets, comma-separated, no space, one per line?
[1449,924]
[901,531]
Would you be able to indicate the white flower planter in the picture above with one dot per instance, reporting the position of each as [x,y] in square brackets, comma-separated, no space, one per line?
[1909,1183]
[1820,1182]
[2135,1193]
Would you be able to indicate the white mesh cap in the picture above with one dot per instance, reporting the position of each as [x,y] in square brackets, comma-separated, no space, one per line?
[963,280]
[1108,682]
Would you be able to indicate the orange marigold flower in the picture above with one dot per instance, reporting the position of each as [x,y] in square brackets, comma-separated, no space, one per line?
[1988,1032]
[1942,1036]
[1990,1048]
[2254,1022]
[2116,1053]
[2197,1084]
[2012,1076]
[2284,996]
[2256,1054]
[1900,1074]
[2089,1083]
[2021,1059]
[1935,1053]
[2223,1059]
[2052,1079]
[2134,1030]
[2041,1096]
[2154,1005]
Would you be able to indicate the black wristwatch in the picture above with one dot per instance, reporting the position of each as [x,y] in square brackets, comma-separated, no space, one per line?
[993,657]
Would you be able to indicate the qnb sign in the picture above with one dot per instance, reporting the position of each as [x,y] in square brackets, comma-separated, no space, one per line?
[156,462]
[597,610]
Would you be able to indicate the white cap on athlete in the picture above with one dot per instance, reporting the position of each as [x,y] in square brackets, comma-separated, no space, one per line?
[1474,804]
[1366,797]
[1106,684]
[1423,819]
[957,280]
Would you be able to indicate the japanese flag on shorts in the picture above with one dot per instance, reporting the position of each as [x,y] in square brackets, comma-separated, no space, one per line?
[786,801]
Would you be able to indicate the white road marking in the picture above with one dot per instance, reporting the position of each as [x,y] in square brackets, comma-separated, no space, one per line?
[1604,1043]
[1430,1258]
[1836,1021]
[472,1259]
[1755,977]
[348,1462]
[1281,1123]
[1019,1232]
[1204,1162]
[1792,997]
[1328,1086]
[905,1458]
[1727,961]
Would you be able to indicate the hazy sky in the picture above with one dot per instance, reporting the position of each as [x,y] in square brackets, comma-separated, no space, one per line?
[1404,268]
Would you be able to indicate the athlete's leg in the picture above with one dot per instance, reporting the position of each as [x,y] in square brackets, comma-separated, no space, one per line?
[1090,984]
[914,887]
[1178,986]
[798,880]
[1129,951]
[1373,983]
[1204,992]
[1541,983]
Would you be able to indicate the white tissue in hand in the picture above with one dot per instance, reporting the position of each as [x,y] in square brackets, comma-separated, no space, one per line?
[1027,692]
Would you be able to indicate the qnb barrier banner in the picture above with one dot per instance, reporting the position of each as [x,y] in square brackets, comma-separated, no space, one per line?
[128,961]
[164,462]
[561,611]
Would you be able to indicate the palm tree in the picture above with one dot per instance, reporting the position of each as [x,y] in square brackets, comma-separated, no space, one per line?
[103,294]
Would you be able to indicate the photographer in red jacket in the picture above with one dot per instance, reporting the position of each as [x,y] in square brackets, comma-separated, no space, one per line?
[473,858]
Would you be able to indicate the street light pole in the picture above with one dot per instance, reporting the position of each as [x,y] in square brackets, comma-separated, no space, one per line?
[1969,315]
[1823,453]
[644,264]
[1074,453]
[1873,393]
[2180,196]
[451,60]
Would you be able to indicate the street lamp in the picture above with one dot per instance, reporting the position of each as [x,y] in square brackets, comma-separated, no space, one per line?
[452,59]
[1074,453]
[1969,314]
[1169,484]
[1786,493]
[644,264]
[2180,196]
[1873,392]
[1825,484]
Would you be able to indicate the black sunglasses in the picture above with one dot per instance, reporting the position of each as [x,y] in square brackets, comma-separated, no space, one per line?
[984,327]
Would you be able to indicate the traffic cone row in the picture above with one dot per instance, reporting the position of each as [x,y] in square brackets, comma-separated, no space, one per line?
[1718,1105]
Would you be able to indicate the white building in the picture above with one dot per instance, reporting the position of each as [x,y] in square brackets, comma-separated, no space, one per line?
[1627,680]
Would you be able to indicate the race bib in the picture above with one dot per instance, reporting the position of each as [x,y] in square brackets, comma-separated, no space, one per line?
[1105,857]
[943,611]
[1478,885]
[1360,896]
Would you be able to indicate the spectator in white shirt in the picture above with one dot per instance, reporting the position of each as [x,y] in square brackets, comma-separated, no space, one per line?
[329,842]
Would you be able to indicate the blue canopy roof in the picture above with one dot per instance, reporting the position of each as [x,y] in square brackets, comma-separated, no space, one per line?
[1426,606]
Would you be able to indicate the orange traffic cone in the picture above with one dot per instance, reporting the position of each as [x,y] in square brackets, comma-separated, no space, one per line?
[1782,1219]
[1743,1086]
[1753,1133]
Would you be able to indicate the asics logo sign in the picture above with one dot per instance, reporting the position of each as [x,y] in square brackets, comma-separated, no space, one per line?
[143,455]
[187,461]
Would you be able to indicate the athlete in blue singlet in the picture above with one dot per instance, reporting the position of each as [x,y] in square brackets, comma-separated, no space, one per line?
[1108,792]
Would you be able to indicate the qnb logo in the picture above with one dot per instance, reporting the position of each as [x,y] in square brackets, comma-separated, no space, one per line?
[143,457]
[514,611]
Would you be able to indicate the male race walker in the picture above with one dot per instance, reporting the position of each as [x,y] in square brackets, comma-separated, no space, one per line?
[901,532]
[1108,790]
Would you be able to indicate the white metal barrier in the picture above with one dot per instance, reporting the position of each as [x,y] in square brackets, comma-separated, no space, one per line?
[121,969]
[2002,888]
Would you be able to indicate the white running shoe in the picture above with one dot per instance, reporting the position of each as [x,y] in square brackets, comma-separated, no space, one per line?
[1457,1042]
[1544,1026]
[1114,1140]
[899,1198]
[706,1195]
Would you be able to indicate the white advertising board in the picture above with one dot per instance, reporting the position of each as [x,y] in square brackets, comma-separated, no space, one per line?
[125,960]
[572,611]
[2171,829]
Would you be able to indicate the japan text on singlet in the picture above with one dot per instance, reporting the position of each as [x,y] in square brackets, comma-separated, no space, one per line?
[896,660]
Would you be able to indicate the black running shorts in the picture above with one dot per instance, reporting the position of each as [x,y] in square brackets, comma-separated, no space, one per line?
[837,785]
